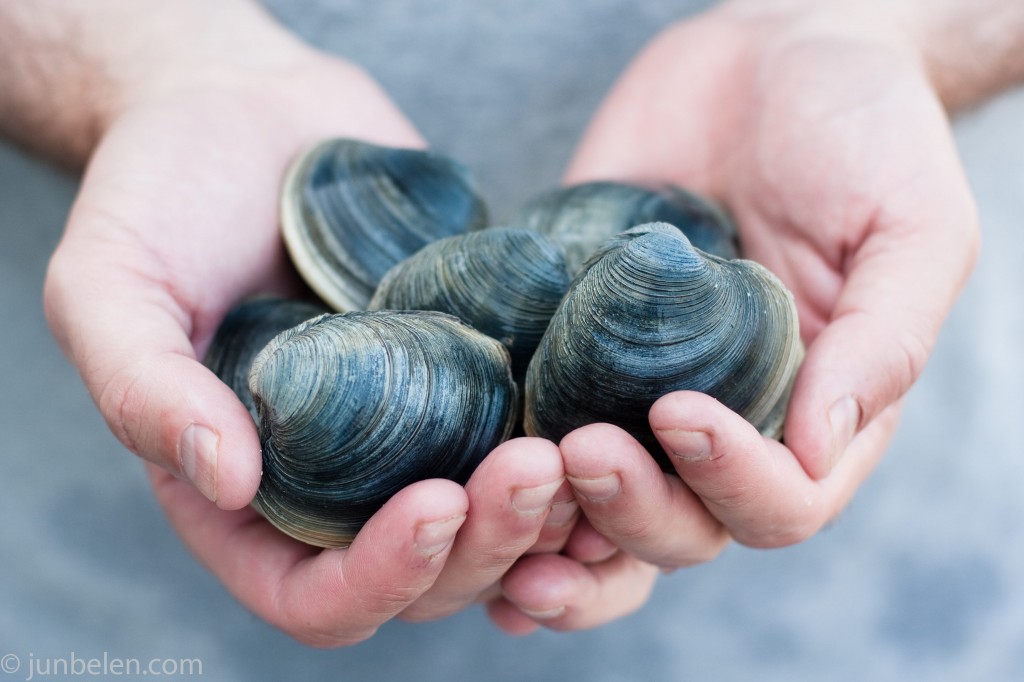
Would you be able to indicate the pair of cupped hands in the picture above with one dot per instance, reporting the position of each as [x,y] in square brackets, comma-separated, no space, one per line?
[825,140]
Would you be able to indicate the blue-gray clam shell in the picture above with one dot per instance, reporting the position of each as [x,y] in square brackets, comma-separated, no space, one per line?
[354,407]
[351,210]
[243,333]
[648,315]
[505,282]
[581,217]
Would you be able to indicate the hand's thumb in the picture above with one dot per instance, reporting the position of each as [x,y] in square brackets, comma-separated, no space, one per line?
[900,288]
[125,335]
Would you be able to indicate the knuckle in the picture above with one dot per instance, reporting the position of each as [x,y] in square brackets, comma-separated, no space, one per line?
[706,551]
[633,528]
[492,557]
[907,349]
[298,621]
[693,552]
[384,602]
[133,408]
[122,399]
[55,288]
[732,497]
[499,558]
[915,348]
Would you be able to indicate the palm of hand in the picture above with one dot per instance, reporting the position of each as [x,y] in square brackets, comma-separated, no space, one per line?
[836,160]
[189,192]
[176,220]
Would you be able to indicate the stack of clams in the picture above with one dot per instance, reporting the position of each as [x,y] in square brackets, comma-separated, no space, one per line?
[442,335]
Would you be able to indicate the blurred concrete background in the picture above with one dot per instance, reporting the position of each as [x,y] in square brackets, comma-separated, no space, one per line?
[921,578]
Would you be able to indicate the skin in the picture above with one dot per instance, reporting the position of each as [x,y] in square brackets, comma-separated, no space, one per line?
[176,220]
[824,128]
[848,187]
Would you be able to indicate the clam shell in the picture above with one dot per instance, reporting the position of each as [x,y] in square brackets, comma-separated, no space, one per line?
[648,315]
[243,333]
[581,217]
[505,282]
[351,210]
[354,407]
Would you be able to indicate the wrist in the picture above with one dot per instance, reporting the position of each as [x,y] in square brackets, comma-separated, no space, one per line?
[192,44]
[967,49]
[72,71]
[972,49]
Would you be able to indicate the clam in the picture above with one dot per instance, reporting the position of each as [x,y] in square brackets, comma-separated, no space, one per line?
[354,407]
[650,314]
[351,210]
[243,333]
[581,217]
[505,282]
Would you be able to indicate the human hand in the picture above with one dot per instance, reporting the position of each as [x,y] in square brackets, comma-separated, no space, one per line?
[176,220]
[817,125]
[433,549]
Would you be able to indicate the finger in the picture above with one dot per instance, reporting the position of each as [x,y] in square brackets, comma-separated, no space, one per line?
[322,597]
[510,496]
[509,619]
[563,594]
[901,282]
[588,546]
[637,507]
[753,485]
[129,338]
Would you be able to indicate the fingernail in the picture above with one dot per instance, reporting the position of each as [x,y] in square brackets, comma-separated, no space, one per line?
[545,615]
[689,446]
[197,451]
[562,513]
[844,417]
[597,489]
[533,501]
[434,537]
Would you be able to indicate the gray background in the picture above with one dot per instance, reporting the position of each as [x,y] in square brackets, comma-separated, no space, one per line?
[921,578]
